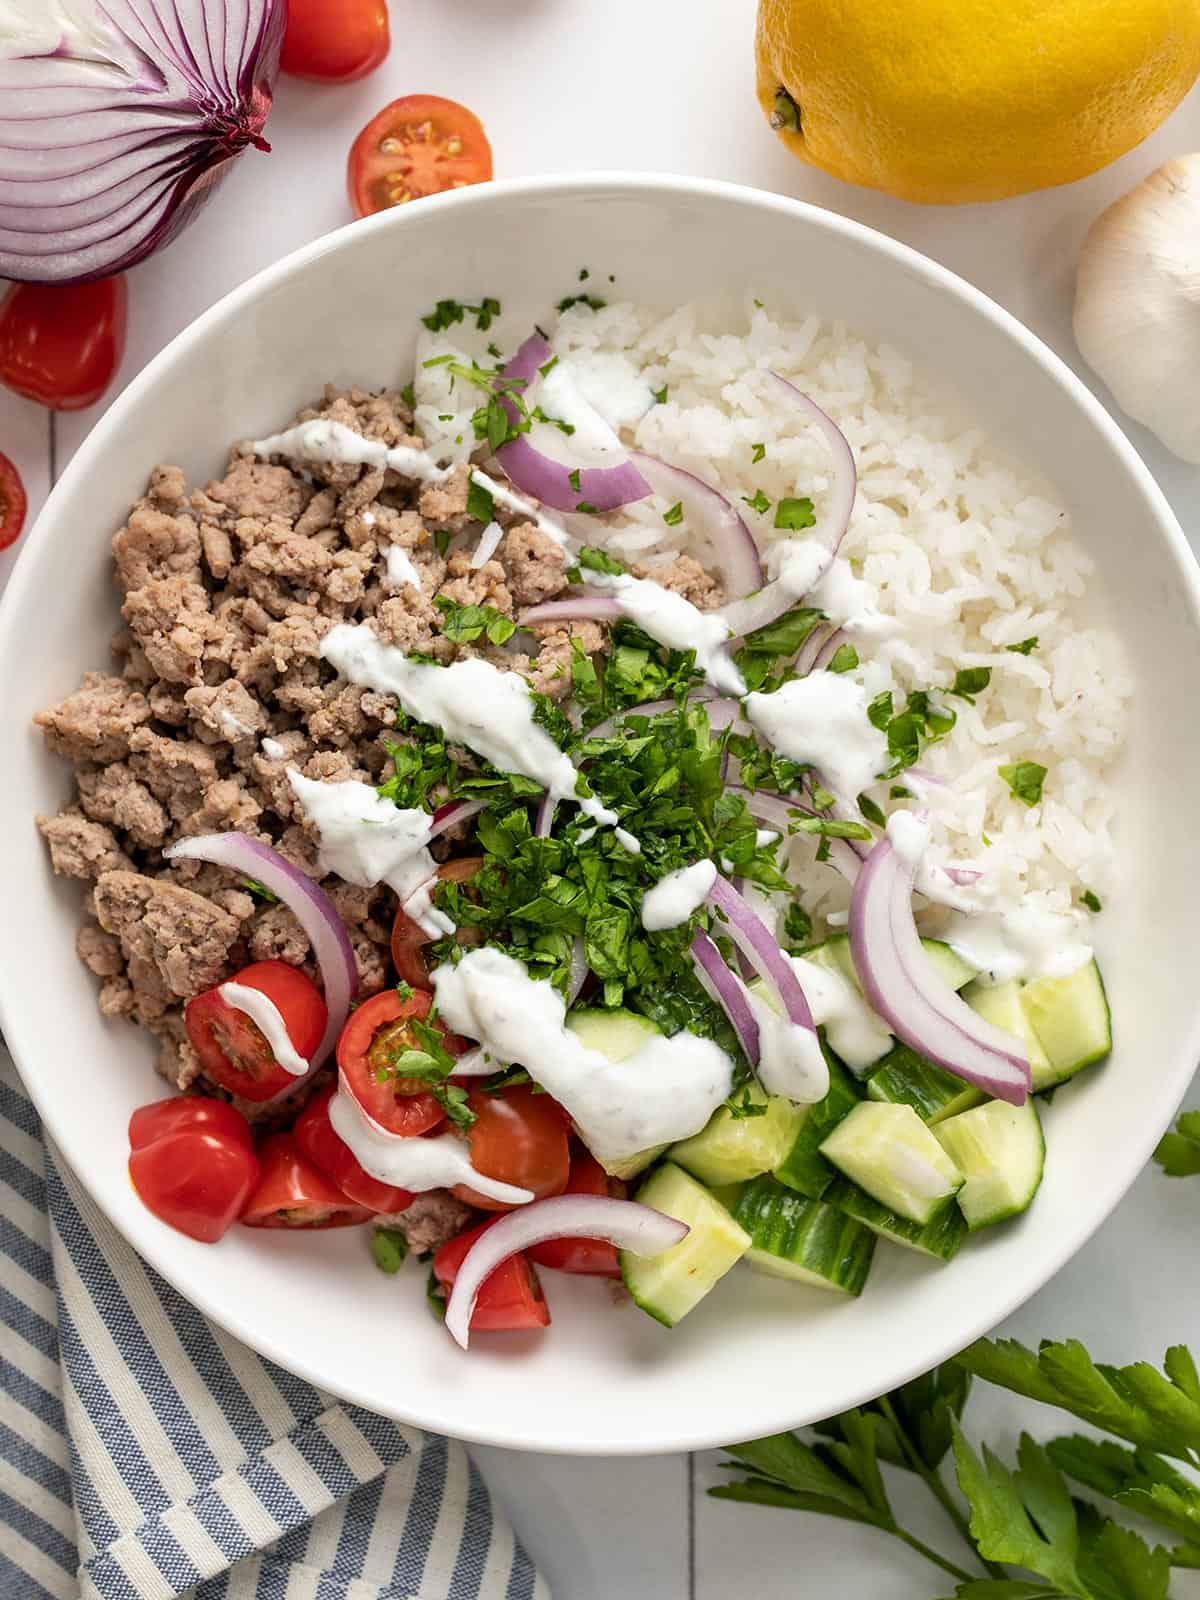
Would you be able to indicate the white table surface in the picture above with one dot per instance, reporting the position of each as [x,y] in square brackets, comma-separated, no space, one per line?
[576,85]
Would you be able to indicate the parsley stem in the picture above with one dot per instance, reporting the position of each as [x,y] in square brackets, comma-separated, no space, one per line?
[933,1481]
[922,1549]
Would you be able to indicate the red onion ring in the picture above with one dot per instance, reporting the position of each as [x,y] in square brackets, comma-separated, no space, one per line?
[312,908]
[806,657]
[845,472]
[586,607]
[724,988]
[902,986]
[452,815]
[578,971]
[754,939]
[544,820]
[623,1223]
[535,473]
[829,648]
[708,512]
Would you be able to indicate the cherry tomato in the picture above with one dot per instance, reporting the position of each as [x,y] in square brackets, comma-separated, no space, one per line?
[191,1165]
[61,344]
[330,1154]
[234,1051]
[375,1036]
[13,504]
[418,145]
[335,41]
[291,1193]
[408,938]
[518,1137]
[594,1257]
[510,1298]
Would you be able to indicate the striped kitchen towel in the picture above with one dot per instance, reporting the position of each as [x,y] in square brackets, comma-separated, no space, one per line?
[146,1454]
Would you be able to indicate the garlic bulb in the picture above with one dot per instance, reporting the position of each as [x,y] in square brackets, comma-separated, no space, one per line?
[1137,303]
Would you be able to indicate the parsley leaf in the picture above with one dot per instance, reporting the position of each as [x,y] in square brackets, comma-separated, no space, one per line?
[832,828]
[1178,1152]
[448,312]
[464,624]
[760,451]
[592,301]
[389,1249]
[1025,779]
[481,503]
[592,559]
[757,501]
[777,642]
[879,712]
[573,478]
[1025,647]
[260,891]
[794,514]
[1091,900]
[673,515]
[409,395]
[970,681]
[660,395]
[871,811]
[844,659]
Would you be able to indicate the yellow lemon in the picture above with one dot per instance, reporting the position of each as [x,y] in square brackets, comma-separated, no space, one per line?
[947,101]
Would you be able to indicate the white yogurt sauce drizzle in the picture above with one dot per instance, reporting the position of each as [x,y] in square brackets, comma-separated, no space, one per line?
[416,1164]
[854,1032]
[400,571]
[790,1062]
[666,1090]
[674,898]
[847,601]
[1025,942]
[676,623]
[367,840]
[822,719]
[473,702]
[264,1014]
[273,750]
[323,440]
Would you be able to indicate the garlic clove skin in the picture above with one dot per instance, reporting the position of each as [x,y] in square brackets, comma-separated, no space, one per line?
[1137,303]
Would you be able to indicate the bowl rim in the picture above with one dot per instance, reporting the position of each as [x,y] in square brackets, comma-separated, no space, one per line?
[16,1021]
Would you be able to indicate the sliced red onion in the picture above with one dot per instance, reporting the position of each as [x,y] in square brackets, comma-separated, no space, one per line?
[578,970]
[623,1223]
[756,942]
[544,821]
[535,473]
[590,606]
[963,875]
[829,648]
[710,514]
[845,473]
[806,656]
[776,810]
[722,713]
[902,986]
[115,129]
[452,815]
[312,908]
[724,988]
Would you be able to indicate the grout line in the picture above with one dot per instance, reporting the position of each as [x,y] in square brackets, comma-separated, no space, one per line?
[691,1525]
[53,448]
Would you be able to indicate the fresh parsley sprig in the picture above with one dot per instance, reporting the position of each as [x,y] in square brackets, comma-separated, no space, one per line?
[1178,1152]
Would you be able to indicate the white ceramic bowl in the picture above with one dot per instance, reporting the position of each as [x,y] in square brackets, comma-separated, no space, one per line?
[758,1355]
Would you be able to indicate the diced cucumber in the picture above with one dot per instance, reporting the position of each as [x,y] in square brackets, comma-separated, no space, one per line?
[1001,1151]
[907,1079]
[728,1194]
[669,1285]
[804,1168]
[804,1240]
[617,1034]
[949,965]
[731,1149]
[888,1151]
[940,1237]
[1004,1004]
[1071,1019]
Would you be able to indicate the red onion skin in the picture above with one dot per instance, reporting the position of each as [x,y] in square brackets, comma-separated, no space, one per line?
[724,988]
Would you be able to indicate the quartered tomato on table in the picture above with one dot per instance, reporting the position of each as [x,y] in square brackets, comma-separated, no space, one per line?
[419,145]
[61,344]
[373,1042]
[330,1154]
[193,1164]
[13,504]
[335,41]
[292,1193]
[234,1051]
[518,1137]
[510,1299]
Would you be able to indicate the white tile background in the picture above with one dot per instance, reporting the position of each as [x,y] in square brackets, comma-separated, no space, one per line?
[572,85]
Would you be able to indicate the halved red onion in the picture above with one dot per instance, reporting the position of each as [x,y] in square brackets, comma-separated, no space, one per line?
[903,987]
[845,474]
[312,908]
[623,1223]
[756,942]
[590,606]
[709,513]
[724,988]
[452,815]
[535,473]
[118,120]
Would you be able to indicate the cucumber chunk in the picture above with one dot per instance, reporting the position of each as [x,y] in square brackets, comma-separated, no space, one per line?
[1071,1020]
[1001,1151]
[1004,1004]
[731,1149]
[941,1237]
[617,1034]
[888,1151]
[806,1241]
[905,1078]
[835,954]
[804,1168]
[669,1285]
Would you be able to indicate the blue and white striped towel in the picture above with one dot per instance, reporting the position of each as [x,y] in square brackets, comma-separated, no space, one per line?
[146,1454]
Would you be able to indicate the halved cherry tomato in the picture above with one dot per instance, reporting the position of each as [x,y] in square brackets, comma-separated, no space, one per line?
[594,1257]
[418,145]
[335,41]
[330,1154]
[518,1137]
[234,1051]
[510,1299]
[192,1164]
[291,1193]
[408,939]
[377,1034]
[13,504]
[61,344]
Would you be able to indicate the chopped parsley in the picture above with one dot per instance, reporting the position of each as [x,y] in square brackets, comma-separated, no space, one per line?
[389,1250]
[660,395]
[757,501]
[970,681]
[260,891]
[573,479]
[794,514]
[466,624]
[592,301]
[766,648]
[584,274]
[832,828]
[548,366]
[844,659]
[539,415]
[592,559]
[481,503]
[741,1103]
[909,732]
[1025,779]
[871,811]
[588,509]
[441,540]
[673,515]
[1025,647]
[797,929]
[760,451]
[449,312]
[1091,900]
[409,395]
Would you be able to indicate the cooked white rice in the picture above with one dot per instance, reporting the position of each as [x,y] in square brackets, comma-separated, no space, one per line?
[961,547]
